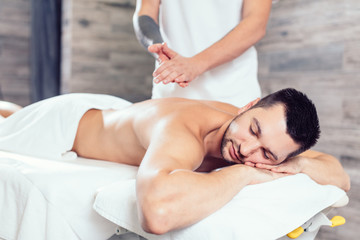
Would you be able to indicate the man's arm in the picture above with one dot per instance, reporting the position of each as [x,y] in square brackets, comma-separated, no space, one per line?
[249,31]
[322,168]
[171,195]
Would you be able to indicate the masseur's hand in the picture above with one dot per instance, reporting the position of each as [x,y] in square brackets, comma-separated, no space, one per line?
[157,50]
[290,166]
[177,69]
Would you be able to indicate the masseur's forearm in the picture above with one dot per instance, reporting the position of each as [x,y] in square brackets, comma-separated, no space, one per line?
[147,31]
[145,22]
[248,32]
[324,169]
[177,199]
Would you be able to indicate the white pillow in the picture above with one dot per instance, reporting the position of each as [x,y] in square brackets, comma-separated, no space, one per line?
[263,211]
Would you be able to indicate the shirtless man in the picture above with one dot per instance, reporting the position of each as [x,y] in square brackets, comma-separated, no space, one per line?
[170,138]
[177,143]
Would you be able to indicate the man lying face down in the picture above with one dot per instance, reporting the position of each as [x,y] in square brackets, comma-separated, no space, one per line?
[178,142]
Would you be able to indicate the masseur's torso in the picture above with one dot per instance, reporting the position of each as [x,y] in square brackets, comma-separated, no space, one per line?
[189,27]
[124,135]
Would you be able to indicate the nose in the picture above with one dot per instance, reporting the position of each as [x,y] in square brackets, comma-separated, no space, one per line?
[248,147]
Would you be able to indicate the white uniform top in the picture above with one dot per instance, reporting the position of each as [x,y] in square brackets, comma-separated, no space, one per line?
[190,26]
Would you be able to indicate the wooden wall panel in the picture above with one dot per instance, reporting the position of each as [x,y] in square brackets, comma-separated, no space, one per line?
[105,55]
[14,51]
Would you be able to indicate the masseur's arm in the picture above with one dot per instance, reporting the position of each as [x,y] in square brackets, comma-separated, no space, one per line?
[322,168]
[249,31]
[171,196]
[146,27]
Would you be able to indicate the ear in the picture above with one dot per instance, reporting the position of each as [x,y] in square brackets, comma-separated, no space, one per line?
[248,106]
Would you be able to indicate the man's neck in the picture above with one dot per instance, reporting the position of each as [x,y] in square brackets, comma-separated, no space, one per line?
[213,139]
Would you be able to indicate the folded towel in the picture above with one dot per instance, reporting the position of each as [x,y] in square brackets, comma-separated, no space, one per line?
[264,211]
[47,129]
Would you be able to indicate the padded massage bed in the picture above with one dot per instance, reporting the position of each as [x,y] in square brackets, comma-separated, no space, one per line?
[91,199]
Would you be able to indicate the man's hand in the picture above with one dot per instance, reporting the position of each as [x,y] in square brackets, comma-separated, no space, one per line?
[264,175]
[174,68]
[290,166]
[322,168]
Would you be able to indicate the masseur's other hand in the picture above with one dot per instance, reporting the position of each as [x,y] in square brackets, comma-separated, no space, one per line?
[290,166]
[178,69]
[157,50]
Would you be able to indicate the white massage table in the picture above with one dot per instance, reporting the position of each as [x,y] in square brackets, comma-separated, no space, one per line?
[90,199]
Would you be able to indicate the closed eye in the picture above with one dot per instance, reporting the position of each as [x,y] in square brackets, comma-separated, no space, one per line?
[265,154]
[253,132]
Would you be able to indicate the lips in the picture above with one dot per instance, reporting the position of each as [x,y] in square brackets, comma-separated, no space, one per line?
[233,153]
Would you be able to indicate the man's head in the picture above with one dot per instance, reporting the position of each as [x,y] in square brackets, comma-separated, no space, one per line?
[277,127]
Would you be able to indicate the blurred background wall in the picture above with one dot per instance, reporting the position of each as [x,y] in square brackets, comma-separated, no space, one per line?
[14,51]
[100,50]
[313,46]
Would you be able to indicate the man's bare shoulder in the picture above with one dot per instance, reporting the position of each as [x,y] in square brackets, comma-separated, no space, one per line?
[178,127]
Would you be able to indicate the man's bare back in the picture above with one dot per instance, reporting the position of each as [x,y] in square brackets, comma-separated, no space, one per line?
[124,135]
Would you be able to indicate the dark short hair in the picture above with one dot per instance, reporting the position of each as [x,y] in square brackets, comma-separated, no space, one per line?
[302,121]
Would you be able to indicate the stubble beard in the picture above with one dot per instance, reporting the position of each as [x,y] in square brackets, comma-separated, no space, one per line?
[224,141]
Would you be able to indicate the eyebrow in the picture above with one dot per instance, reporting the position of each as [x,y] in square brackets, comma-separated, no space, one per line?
[259,133]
